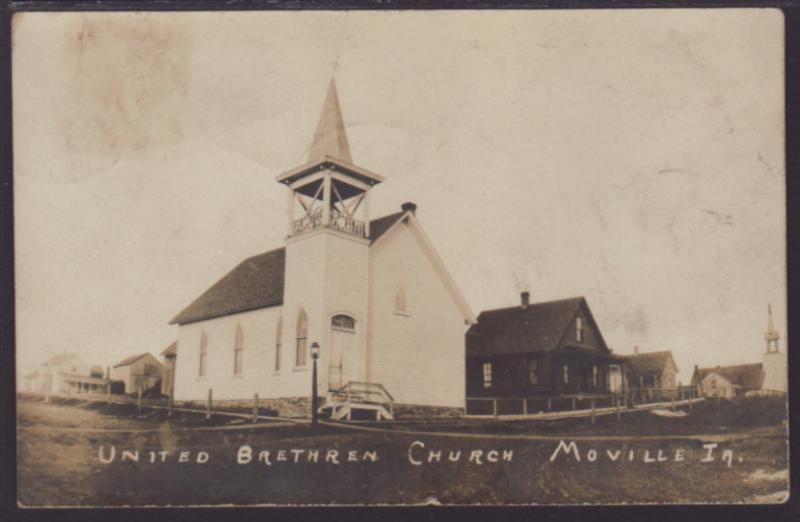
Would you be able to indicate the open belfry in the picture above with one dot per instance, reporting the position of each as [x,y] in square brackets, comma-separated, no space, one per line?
[372,293]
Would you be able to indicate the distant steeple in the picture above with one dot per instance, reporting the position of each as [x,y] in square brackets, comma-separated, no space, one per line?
[771,336]
[330,138]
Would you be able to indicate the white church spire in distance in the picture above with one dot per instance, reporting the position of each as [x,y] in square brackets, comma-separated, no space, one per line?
[771,336]
[330,139]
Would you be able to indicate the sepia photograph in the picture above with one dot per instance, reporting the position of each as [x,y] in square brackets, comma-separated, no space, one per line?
[403,258]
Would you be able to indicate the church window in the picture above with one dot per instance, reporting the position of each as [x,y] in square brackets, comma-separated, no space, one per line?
[487,375]
[400,305]
[579,329]
[201,372]
[278,344]
[343,322]
[238,350]
[301,351]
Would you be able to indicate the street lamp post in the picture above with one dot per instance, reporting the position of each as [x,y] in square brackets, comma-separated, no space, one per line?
[314,405]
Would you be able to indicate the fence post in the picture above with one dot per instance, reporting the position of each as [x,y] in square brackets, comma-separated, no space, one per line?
[494,407]
[170,403]
[255,408]
[108,393]
[525,406]
[139,400]
[208,404]
[673,400]
[592,410]
[549,404]
[573,404]
[618,412]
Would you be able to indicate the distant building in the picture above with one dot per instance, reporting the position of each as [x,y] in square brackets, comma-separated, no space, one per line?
[543,349]
[767,377]
[651,371]
[728,381]
[137,371]
[168,380]
[776,371]
[64,375]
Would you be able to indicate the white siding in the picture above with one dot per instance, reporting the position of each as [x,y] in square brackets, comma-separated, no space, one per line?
[418,357]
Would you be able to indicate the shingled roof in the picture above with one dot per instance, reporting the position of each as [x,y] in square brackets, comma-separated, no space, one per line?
[651,362]
[535,328]
[257,282]
[130,360]
[745,375]
[171,350]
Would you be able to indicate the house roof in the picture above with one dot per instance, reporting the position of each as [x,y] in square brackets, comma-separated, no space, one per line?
[745,375]
[535,328]
[130,360]
[651,362]
[257,282]
[171,350]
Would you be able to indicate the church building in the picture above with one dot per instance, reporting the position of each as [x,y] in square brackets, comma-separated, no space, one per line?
[372,293]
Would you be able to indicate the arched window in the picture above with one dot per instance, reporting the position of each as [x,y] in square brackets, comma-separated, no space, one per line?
[238,350]
[400,305]
[278,337]
[201,371]
[301,351]
[344,322]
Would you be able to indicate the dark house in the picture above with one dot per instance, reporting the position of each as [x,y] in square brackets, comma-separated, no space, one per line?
[543,349]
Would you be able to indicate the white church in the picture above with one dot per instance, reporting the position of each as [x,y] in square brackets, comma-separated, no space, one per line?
[373,294]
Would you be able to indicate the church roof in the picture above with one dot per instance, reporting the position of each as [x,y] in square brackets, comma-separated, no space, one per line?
[257,282]
[536,328]
[745,375]
[330,139]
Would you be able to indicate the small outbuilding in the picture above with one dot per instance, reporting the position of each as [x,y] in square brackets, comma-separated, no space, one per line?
[142,371]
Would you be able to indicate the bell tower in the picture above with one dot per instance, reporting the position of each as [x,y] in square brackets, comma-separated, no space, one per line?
[329,191]
[327,250]
[774,361]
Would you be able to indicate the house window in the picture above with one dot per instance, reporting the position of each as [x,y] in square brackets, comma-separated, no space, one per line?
[238,350]
[278,337]
[343,322]
[565,375]
[201,371]
[487,375]
[579,329]
[400,305]
[301,350]
[594,376]
[533,371]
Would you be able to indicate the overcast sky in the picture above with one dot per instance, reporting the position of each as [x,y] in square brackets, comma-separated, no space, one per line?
[635,158]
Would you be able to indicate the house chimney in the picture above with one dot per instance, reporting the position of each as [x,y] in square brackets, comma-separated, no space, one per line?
[525,297]
[409,207]
[635,350]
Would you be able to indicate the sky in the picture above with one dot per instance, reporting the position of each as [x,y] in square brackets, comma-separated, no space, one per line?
[632,157]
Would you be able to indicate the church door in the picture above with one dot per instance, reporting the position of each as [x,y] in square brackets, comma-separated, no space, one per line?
[343,342]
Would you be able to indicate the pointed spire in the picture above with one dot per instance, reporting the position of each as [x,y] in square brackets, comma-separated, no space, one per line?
[772,334]
[330,138]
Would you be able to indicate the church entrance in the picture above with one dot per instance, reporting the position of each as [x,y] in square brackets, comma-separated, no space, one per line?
[343,342]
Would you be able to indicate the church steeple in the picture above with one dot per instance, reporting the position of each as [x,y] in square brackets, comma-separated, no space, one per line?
[329,191]
[771,336]
[330,139]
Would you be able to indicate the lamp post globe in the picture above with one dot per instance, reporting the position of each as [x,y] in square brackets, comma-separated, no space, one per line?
[314,405]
